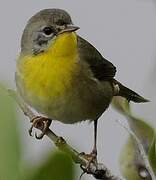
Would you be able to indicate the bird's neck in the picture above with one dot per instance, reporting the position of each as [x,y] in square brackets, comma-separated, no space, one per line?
[64,45]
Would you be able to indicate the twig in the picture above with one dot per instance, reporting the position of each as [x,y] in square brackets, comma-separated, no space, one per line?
[141,149]
[99,171]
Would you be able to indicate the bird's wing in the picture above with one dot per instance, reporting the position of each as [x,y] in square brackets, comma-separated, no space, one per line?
[104,70]
[101,68]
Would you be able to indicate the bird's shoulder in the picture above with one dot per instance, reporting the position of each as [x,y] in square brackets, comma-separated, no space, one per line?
[101,68]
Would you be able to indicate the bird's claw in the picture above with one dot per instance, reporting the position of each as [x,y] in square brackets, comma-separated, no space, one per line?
[40,136]
[30,131]
[41,123]
[92,158]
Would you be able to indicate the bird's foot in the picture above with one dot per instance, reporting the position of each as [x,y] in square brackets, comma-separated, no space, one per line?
[91,158]
[41,123]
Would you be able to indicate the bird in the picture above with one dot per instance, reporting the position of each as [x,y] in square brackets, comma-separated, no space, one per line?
[64,77]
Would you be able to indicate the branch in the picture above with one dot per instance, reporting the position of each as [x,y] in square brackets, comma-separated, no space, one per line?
[98,170]
[141,149]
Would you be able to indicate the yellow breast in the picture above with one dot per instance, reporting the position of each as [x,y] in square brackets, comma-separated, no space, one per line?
[50,74]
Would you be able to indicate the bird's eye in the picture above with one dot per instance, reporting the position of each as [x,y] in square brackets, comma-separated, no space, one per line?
[47,31]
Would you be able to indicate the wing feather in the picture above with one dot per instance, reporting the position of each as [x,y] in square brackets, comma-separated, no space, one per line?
[101,68]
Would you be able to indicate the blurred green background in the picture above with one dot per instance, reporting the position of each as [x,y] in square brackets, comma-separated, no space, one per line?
[56,165]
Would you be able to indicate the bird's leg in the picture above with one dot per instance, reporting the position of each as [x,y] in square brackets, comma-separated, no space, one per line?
[92,157]
[94,151]
[41,123]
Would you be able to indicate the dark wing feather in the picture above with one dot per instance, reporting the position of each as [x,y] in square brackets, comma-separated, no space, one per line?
[101,68]
[104,70]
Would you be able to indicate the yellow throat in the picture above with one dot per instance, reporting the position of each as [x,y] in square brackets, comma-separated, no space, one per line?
[50,74]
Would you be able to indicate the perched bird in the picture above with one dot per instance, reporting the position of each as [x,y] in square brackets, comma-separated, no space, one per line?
[63,76]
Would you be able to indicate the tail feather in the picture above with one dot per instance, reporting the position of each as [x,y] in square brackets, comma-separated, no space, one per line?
[129,94]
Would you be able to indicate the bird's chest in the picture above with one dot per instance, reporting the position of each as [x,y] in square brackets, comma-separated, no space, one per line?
[64,91]
[51,74]
[48,78]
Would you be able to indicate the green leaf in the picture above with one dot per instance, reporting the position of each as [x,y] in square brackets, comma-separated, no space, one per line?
[9,138]
[128,161]
[140,127]
[131,162]
[59,166]
[152,155]
[121,105]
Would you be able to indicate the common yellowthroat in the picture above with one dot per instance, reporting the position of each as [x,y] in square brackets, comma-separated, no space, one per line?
[62,75]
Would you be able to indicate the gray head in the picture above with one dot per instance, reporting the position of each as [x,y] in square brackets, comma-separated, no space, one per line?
[43,27]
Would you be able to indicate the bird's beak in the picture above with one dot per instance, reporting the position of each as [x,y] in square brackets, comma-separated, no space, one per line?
[69,28]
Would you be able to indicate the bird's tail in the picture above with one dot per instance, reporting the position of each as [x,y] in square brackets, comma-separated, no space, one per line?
[128,93]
